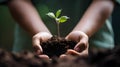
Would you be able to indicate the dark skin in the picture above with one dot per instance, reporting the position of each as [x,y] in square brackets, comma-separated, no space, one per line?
[27,17]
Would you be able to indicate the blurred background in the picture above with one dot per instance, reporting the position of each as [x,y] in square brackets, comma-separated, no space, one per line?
[116,24]
[7,27]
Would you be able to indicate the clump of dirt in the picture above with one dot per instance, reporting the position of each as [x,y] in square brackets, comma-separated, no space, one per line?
[22,59]
[107,58]
[57,46]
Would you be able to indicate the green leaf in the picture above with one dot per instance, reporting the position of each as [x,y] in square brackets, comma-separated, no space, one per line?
[58,13]
[51,14]
[63,19]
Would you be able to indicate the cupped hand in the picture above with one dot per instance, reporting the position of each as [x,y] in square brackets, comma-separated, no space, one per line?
[81,48]
[37,39]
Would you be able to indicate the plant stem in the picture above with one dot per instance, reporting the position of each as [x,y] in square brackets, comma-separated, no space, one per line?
[58,29]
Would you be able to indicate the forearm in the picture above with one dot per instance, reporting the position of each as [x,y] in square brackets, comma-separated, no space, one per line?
[27,16]
[95,16]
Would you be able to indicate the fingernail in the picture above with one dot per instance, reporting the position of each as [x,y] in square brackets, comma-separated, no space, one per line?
[77,49]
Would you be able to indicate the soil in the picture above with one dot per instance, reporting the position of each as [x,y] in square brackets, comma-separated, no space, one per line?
[107,58]
[57,46]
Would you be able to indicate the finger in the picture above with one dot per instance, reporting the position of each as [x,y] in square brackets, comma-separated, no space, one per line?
[67,57]
[72,52]
[81,46]
[63,56]
[44,57]
[36,45]
[75,53]
[67,37]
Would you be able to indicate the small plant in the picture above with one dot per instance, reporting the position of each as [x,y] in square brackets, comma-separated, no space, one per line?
[58,19]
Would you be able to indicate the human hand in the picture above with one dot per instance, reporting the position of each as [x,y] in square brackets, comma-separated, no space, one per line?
[81,48]
[37,39]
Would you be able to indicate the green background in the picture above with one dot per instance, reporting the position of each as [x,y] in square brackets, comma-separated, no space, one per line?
[6,28]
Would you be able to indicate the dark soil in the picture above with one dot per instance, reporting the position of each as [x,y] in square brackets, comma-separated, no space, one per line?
[107,58]
[57,46]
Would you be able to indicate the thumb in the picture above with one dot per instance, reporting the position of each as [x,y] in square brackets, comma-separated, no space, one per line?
[67,37]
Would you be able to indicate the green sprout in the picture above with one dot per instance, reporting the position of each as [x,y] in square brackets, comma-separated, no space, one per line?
[58,19]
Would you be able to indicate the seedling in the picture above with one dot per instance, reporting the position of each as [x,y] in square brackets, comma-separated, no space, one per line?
[58,19]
